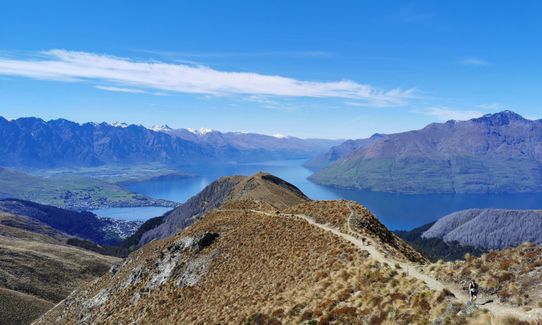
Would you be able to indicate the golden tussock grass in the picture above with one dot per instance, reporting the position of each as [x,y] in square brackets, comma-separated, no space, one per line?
[512,276]
[265,269]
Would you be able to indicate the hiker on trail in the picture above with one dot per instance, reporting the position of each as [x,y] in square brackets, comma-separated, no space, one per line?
[473,289]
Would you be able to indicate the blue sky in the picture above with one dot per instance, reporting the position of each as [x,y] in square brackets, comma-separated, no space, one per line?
[333,69]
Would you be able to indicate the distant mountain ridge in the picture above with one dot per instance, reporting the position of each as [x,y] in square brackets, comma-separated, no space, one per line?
[341,151]
[253,143]
[33,142]
[499,152]
[489,228]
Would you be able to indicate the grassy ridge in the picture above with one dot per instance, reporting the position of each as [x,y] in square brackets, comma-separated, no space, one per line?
[38,268]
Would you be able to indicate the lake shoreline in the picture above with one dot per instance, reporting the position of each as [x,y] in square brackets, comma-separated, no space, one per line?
[396,210]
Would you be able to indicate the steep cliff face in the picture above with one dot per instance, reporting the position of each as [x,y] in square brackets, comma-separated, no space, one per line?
[495,153]
[489,228]
[261,186]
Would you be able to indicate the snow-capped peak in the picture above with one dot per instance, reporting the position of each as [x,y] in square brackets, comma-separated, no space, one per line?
[119,124]
[200,131]
[160,128]
[280,136]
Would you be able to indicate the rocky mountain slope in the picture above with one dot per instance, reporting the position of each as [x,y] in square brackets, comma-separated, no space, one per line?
[251,262]
[499,152]
[38,268]
[85,225]
[33,142]
[247,263]
[261,186]
[340,151]
[489,228]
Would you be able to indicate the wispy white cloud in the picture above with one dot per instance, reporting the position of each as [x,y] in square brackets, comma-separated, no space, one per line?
[62,65]
[266,102]
[121,90]
[443,113]
[474,61]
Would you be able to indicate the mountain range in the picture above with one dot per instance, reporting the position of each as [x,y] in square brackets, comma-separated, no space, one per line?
[244,141]
[496,153]
[338,152]
[33,142]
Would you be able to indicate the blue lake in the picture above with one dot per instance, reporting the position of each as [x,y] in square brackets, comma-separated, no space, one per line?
[396,211]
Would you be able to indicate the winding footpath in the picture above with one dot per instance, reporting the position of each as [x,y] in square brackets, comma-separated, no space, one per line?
[367,244]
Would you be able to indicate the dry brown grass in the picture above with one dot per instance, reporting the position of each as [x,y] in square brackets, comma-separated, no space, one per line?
[267,188]
[267,269]
[333,213]
[38,269]
[18,308]
[247,204]
[512,276]
[363,224]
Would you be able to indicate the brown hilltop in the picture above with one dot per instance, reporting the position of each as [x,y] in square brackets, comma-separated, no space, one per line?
[261,187]
[351,217]
[259,258]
